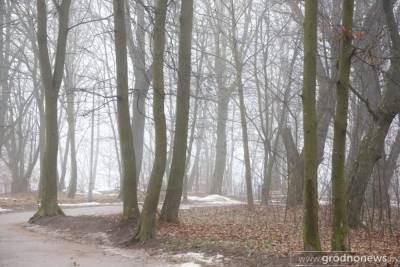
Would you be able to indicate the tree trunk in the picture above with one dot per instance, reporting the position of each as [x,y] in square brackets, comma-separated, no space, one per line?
[142,82]
[170,209]
[339,240]
[147,222]
[294,168]
[51,81]
[372,145]
[61,183]
[71,135]
[311,239]
[92,156]
[224,96]
[220,156]
[129,188]
[246,151]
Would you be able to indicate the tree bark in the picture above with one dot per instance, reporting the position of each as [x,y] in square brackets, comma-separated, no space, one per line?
[147,222]
[372,145]
[129,188]
[142,81]
[311,239]
[71,135]
[170,209]
[51,81]
[224,97]
[294,168]
[339,240]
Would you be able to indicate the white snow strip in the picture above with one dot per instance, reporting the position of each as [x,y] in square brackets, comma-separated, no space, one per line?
[216,199]
[189,264]
[199,257]
[4,210]
[87,204]
[324,202]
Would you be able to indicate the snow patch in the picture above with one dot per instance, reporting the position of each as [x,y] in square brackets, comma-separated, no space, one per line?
[189,264]
[215,199]
[86,204]
[323,202]
[4,210]
[199,257]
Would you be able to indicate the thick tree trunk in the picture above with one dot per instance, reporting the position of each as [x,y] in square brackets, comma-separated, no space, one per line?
[311,239]
[51,81]
[369,153]
[129,188]
[389,170]
[220,156]
[147,222]
[372,145]
[170,209]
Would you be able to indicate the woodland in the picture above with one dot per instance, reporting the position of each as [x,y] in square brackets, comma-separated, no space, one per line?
[250,129]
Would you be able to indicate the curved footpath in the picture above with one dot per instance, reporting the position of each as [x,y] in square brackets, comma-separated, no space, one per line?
[20,247]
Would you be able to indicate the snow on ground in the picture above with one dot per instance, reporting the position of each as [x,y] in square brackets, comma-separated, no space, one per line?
[323,202]
[189,264]
[215,199]
[4,210]
[199,258]
[86,204]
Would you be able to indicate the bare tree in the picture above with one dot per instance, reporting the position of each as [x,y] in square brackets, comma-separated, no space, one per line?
[147,222]
[51,80]
[129,187]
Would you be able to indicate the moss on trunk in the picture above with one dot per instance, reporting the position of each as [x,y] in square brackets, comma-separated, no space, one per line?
[311,239]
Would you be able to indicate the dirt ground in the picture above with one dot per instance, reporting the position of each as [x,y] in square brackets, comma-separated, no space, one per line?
[263,237]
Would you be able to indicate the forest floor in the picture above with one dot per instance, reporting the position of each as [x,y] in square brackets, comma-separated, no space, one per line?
[229,235]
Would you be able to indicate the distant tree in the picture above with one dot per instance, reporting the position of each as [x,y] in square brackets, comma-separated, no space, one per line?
[71,135]
[224,93]
[137,53]
[51,80]
[237,45]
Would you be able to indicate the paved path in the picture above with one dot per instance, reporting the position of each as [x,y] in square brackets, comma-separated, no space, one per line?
[20,247]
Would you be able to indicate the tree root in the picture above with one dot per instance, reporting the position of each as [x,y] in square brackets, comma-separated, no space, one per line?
[46,212]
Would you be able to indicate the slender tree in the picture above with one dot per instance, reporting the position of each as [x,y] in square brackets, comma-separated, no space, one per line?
[51,80]
[71,134]
[339,203]
[147,222]
[173,196]
[137,53]
[310,221]
[129,187]
[223,98]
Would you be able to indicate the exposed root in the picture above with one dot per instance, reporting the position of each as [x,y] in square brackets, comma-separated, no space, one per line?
[46,212]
